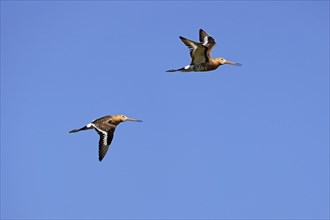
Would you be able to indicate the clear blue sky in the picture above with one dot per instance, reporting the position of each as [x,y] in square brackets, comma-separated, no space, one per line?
[240,142]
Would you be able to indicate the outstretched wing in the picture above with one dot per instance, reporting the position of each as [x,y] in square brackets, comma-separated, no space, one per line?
[105,141]
[207,41]
[197,51]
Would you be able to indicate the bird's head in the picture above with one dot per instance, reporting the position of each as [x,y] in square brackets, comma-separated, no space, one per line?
[222,61]
[123,118]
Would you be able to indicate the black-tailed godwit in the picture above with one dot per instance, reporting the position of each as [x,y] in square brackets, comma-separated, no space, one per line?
[200,54]
[105,127]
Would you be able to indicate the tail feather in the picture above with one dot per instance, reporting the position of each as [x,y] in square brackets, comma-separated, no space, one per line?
[80,129]
[174,70]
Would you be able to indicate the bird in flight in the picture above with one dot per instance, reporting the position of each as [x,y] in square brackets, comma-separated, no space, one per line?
[200,54]
[105,127]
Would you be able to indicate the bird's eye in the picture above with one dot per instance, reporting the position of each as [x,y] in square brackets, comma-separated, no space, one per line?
[123,116]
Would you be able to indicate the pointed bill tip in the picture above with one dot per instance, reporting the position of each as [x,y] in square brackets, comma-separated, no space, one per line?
[233,63]
[132,119]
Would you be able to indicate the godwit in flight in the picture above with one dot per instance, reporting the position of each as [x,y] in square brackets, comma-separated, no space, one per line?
[105,127]
[200,54]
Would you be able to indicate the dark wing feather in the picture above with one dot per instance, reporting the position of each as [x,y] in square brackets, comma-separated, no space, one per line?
[106,131]
[104,142]
[197,51]
[207,41]
[202,35]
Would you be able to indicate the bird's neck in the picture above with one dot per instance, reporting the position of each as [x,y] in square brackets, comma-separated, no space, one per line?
[214,63]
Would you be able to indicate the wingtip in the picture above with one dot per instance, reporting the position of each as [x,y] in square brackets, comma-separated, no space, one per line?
[202,31]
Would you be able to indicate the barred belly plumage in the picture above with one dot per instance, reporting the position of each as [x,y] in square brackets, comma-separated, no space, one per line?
[199,67]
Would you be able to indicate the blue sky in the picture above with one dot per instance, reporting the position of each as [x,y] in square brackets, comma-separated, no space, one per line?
[248,142]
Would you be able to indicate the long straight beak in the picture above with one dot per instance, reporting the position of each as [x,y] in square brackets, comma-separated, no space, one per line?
[233,63]
[132,119]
